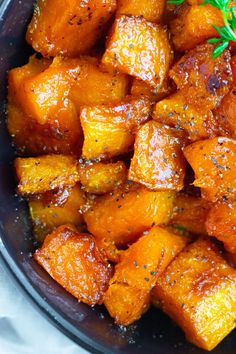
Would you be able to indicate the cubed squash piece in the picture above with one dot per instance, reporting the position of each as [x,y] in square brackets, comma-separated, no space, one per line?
[206,80]
[137,272]
[158,161]
[190,213]
[221,223]
[101,178]
[155,94]
[17,76]
[69,27]
[193,26]
[225,114]
[109,130]
[197,122]
[47,214]
[198,291]
[131,40]
[44,173]
[214,164]
[95,85]
[151,10]
[74,261]
[45,93]
[123,215]
[61,136]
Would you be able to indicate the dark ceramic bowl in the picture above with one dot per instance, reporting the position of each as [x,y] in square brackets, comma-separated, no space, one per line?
[93,329]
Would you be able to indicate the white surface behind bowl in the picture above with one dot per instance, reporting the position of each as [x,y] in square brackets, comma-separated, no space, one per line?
[23,330]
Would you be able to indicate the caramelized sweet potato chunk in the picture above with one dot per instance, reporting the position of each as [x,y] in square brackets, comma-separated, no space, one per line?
[68,27]
[131,40]
[214,164]
[45,93]
[193,26]
[101,178]
[151,10]
[136,274]
[221,223]
[190,213]
[197,122]
[124,214]
[47,214]
[75,262]
[158,161]
[205,80]
[141,88]
[225,114]
[17,76]
[109,130]
[198,291]
[95,85]
[44,173]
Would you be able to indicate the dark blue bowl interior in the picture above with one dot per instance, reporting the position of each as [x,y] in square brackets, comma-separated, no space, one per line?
[91,328]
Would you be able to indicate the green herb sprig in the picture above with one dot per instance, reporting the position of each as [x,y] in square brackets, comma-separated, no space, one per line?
[228,31]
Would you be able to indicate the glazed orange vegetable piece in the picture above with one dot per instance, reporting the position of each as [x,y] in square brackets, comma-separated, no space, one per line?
[123,215]
[197,122]
[225,114]
[193,26]
[198,291]
[158,161]
[47,214]
[190,213]
[75,262]
[17,77]
[68,27]
[101,178]
[137,272]
[206,80]
[62,136]
[95,85]
[109,129]
[214,164]
[44,173]
[151,10]
[131,40]
[221,223]
[141,88]
[46,93]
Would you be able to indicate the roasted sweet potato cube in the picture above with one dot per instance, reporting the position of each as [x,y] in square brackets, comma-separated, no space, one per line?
[109,130]
[44,173]
[101,178]
[75,262]
[151,10]
[225,114]
[122,216]
[69,27]
[190,213]
[48,215]
[221,223]
[206,80]
[214,164]
[193,26]
[95,85]
[63,136]
[198,291]
[136,274]
[198,123]
[17,76]
[45,93]
[158,161]
[155,94]
[131,40]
